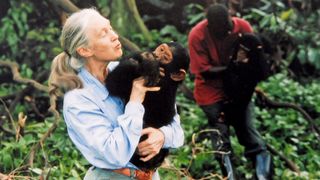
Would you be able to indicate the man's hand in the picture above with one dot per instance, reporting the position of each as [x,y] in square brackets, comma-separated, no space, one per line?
[152,145]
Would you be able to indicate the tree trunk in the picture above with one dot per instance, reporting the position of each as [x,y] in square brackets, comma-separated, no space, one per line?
[126,19]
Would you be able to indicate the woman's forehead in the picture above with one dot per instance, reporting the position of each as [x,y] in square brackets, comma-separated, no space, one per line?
[99,21]
[97,24]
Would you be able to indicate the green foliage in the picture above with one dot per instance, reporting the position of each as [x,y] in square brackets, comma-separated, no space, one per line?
[14,26]
[64,159]
[166,34]
[20,41]
[195,13]
[286,129]
[299,28]
[305,95]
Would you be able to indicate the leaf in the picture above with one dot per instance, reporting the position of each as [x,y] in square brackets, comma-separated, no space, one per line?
[36,170]
[168,29]
[196,18]
[265,21]
[295,140]
[313,55]
[29,72]
[74,173]
[302,56]
[259,12]
[43,55]
[286,14]
[273,22]
[7,159]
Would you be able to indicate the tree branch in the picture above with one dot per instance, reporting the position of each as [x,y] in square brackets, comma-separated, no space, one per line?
[34,106]
[128,45]
[273,104]
[9,96]
[9,115]
[289,163]
[17,77]
[7,131]
[133,8]
[64,5]
[56,114]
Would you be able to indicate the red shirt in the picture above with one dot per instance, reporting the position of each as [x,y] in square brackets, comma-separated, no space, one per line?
[204,54]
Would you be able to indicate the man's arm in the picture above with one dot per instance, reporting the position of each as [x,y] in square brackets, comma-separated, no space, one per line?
[213,72]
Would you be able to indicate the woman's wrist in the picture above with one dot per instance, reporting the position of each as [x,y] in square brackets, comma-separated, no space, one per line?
[137,96]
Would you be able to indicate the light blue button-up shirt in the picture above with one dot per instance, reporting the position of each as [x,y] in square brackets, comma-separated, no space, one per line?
[104,129]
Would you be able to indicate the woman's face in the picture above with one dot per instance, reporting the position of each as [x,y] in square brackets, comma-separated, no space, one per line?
[104,42]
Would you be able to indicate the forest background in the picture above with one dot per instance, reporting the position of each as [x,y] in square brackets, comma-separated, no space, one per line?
[33,139]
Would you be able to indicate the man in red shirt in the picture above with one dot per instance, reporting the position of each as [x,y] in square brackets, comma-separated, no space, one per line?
[207,46]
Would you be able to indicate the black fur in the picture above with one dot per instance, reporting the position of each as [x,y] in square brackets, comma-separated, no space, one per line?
[160,105]
[240,79]
[119,81]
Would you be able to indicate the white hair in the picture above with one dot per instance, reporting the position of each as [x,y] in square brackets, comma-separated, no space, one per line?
[63,75]
[74,35]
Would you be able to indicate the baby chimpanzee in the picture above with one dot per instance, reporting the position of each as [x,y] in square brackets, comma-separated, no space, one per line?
[159,106]
[246,68]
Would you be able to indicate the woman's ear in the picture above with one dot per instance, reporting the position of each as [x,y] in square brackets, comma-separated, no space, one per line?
[179,76]
[84,52]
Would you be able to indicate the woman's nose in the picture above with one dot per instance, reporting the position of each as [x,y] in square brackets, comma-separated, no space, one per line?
[115,36]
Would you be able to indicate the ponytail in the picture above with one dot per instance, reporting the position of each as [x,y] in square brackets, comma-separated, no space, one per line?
[63,77]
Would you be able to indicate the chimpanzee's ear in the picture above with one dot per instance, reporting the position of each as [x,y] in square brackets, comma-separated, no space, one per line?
[179,76]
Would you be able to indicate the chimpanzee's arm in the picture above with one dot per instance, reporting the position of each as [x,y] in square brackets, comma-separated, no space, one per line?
[150,70]
[119,80]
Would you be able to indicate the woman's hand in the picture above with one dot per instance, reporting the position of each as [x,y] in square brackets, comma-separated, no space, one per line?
[152,145]
[138,91]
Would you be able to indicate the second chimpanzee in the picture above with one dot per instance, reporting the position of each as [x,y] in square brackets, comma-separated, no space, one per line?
[173,60]
[247,66]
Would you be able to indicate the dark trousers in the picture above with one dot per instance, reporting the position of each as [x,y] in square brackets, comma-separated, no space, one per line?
[221,115]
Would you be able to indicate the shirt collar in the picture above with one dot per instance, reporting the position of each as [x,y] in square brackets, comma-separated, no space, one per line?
[89,81]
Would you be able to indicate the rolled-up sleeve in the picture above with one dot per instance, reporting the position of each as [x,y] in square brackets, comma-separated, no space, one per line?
[107,140]
[173,133]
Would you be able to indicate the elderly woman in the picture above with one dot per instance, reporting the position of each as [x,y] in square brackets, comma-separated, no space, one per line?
[103,128]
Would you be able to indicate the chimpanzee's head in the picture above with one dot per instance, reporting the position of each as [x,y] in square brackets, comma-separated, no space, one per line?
[174,59]
[248,47]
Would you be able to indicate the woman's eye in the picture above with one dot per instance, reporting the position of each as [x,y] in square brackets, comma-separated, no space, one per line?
[104,33]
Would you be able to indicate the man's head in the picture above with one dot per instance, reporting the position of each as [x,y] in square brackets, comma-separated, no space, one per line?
[219,21]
